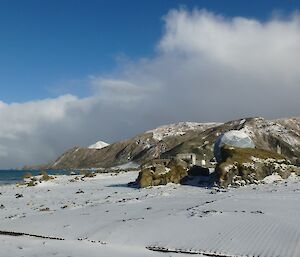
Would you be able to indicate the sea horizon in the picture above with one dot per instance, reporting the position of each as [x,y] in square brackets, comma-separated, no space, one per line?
[13,176]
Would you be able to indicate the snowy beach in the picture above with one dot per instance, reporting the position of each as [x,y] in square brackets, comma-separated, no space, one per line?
[102,216]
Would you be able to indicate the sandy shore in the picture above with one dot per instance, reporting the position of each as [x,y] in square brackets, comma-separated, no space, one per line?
[101,216]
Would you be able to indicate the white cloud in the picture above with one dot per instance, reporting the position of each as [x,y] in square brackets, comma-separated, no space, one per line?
[207,67]
[116,90]
[246,46]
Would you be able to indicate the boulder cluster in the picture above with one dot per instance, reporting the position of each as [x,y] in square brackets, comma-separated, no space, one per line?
[236,167]
[176,171]
[241,166]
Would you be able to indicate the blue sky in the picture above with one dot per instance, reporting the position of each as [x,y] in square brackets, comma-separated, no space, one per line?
[75,72]
[48,48]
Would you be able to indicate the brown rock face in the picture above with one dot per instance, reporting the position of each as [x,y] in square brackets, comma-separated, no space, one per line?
[145,178]
[156,176]
[177,162]
[247,166]
[176,174]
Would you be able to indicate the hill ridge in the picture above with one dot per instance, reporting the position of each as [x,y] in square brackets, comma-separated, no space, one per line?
[185,137]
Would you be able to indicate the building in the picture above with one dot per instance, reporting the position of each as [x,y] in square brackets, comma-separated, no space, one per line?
[190,158]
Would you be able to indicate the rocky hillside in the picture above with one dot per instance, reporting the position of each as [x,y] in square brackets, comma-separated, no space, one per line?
[185,137]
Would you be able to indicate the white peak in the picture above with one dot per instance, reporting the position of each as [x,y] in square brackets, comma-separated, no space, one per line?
[98,145]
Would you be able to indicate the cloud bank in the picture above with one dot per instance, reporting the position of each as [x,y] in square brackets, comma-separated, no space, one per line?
[206,68]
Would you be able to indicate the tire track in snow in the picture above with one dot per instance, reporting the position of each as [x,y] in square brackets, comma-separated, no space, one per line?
[250,236]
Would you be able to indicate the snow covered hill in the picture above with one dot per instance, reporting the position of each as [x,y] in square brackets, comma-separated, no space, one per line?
[179,129]
[184,137]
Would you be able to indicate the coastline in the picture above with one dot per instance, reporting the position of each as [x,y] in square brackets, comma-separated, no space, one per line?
[10,177]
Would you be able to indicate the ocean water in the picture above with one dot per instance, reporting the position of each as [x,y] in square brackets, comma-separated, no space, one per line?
[14,176]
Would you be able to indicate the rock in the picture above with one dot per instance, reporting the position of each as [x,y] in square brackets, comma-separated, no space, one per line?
[18,195]
[145,178]
[156,176]
[284,174]
[296,170]
[88,174]
[226,173]
[176,174]
[177,162]
[158,170]
[156,182]
[248,166]
[262,171]
[44,209]
[284,171]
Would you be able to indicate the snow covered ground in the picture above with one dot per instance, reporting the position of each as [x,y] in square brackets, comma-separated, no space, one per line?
[101,216]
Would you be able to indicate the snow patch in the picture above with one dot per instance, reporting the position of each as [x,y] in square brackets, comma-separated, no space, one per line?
[179,129]
[98,145]
[280,131]
[272,178]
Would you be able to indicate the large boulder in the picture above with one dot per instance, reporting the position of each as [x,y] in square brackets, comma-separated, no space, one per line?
[176,174]
[145,178]
[158,170]
[240,166]
[159,175]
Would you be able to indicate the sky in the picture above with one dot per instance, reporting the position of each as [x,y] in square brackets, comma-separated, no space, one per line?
[74,72]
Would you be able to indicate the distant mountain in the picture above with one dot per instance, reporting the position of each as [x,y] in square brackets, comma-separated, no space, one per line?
[184,137]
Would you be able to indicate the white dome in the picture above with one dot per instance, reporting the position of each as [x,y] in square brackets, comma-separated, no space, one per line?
[233,138]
